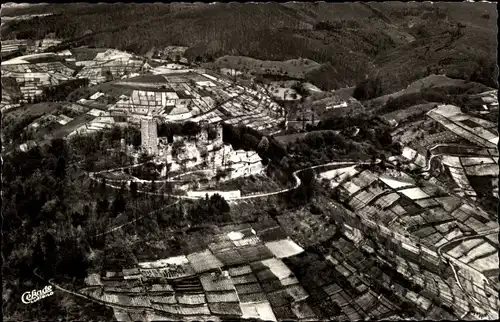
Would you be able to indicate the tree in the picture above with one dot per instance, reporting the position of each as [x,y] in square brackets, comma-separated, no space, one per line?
[119,204]
[368,89]
[60,171]
[214,209]
[212,133]
[284,162]
[133,189]
[50,254]
[102,186]
[37,258]
[263,144]
[190,128]
[250,141]
[108,75]
[144,157]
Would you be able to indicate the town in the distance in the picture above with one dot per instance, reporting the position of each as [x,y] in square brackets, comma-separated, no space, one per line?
[158,186]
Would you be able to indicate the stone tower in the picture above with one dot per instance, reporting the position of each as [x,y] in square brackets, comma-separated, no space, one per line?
[149,135]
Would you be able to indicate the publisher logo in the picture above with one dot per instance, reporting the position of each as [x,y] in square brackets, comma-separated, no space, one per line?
[34,296]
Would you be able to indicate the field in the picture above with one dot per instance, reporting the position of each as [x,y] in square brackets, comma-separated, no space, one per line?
[31,111]
[184,284]
[402,208]
[294,68]
[108,88]
[432,81]
[63,304]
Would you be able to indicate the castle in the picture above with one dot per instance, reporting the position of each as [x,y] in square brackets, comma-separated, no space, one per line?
[185,153]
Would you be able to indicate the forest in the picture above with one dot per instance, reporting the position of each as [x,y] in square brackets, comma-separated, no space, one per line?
[333,139]
[350,47]
[55,218]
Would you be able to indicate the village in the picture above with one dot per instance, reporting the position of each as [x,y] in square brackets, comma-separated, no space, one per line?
[421,206]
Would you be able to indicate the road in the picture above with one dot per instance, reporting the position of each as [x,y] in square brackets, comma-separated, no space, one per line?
[262,195]
[298,182]
[440,154]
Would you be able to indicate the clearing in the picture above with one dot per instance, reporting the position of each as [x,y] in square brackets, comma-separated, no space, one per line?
[432,81]
[294,68]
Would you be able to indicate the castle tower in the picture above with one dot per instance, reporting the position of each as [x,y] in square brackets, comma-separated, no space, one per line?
[149,135]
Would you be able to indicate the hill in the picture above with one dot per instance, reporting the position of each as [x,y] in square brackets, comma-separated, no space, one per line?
[293,68]
[398,42]
[432,82]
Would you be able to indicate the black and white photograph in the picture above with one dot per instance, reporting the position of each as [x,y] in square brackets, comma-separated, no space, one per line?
[249,161]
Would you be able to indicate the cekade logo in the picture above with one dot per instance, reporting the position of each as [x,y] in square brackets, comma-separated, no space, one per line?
[34,296]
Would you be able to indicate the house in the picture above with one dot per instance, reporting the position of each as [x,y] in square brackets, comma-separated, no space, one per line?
[96,95]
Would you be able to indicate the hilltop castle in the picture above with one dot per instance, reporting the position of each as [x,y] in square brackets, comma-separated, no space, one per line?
[183,152]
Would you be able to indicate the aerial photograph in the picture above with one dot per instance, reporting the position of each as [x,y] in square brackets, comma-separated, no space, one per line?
[249,161]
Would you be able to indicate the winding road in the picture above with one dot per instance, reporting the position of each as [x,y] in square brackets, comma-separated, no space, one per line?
[262,195]
[298,182]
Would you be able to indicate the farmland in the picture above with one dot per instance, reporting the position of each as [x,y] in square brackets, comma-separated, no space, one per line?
[260,162]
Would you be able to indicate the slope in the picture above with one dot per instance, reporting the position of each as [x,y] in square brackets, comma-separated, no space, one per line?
[400,42]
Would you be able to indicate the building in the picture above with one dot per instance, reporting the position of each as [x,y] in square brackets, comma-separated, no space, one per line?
[149,135]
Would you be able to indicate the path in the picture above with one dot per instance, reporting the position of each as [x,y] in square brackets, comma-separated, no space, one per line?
[459,262]
[451,154]
[298,182]
[134,220]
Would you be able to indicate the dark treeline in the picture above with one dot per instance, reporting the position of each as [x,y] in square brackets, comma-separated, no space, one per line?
[345,47]
[357,137]
[61,91]
[271,34]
